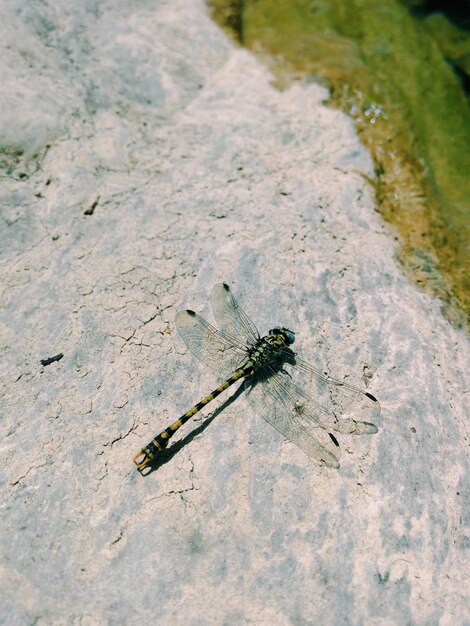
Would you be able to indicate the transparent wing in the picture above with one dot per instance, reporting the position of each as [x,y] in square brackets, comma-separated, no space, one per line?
[231,319]
[335,404]
[268,398]
[223,355]
[305,405]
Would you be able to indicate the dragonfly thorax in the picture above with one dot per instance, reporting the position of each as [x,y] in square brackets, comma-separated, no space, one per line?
[270,349]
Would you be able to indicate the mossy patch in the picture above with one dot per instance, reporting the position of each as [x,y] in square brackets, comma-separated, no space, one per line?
[391,72]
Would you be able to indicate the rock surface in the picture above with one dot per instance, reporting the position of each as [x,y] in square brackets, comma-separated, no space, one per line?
[144,158]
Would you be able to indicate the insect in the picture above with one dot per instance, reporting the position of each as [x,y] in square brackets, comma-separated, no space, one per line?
[299,400]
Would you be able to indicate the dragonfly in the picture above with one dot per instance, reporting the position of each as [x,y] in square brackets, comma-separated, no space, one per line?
[303,403]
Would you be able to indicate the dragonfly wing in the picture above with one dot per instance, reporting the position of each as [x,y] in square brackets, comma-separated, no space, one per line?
[231,319]
[222,355]
[271,399]
[339,406]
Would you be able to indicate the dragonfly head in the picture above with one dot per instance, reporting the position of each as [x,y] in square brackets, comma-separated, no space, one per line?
[288,335]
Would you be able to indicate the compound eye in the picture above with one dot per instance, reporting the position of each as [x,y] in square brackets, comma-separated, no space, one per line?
[289,335]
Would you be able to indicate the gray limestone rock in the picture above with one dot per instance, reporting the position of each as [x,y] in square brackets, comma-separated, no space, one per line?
[144,158]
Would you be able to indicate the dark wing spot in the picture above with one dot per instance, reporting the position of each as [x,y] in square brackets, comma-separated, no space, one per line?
[369,395]
[226,287]
[334,440]
[189,312]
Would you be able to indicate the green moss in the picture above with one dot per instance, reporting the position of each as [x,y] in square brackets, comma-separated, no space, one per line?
[390,72]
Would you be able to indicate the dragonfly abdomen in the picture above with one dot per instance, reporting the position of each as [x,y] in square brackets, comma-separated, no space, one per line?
[160,441]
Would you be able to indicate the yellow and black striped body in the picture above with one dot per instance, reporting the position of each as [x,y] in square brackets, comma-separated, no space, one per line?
[160,442]
[265,351]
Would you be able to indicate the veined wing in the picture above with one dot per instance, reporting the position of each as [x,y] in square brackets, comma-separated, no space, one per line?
[230,317]
[305,405]
[339,406]
[268,398]
[222,355]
